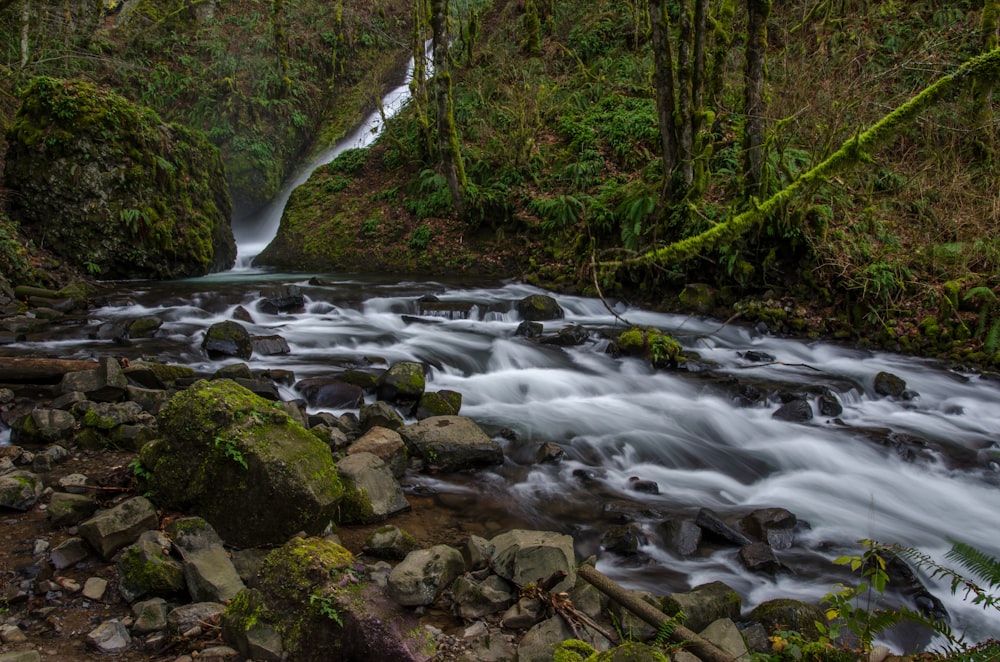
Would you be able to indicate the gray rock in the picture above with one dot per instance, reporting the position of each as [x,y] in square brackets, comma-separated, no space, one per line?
[371,493]
[68,553]
[379,414]
[775,526]
[623,539]
[183,618]
[524,557]
[539,308]
[889,385]
[759,557]
[21,656]
[712,524]
[148,568]
[539,642]
[105,384]
[330,392]
[191,534]
[385,444]
[402,384]
[110,637]
[113,529]
[682,536]
[210,575]
[227,338]
[390,542]
[788,614]
[272,345]
[263,643]
[636,628]
[11,634]
[424,574]
[45,426]
[724,634]
[151,400]
[798,410]
[95,588]
[438,403]
[523,614]
[20,490]
[452,443]
[474,600]
[150,616]
[281,299]
[476,552]
[704,604]
[67,509]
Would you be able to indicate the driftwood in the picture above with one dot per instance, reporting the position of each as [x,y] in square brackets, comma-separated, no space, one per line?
[39,371]
[704,649]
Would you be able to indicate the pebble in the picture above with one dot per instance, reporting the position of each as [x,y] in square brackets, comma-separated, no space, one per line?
[11,634]
[41,546]
[94,588]
[68,584]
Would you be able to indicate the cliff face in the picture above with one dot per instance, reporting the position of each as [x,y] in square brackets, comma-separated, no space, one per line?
[114,191]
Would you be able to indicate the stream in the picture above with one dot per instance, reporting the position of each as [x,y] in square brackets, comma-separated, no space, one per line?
[914,471]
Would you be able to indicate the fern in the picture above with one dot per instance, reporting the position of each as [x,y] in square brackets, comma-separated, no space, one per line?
[983,567]
[991,342]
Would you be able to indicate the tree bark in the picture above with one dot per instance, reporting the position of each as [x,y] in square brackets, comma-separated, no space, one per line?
[449,148]
[755,105]
[701,647]
[664,84]
[40,371]
[685,85]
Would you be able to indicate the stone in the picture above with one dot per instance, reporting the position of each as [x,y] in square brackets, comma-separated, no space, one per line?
[525,557]
[775,526]
[539,643]
[242,464]
[110,530]
[228,338]
[47,426]
[452,443]
[150,616]
[110,637]
[472,600]
[190,534]
[210,575]
[330,393]
[704,604]
[523,614]
[476,552]
[380,414]
[713,525]
[724,634]
[550,453]
[529,329]
[371,493]
[11,634]
[424,574]
[681,536]
[438,403]
[67,509]
[20,490]
[798,410]
[273,345]
[390,542]
[281,299]
[21,656]
[623,539]
[147,568]
[759,557]
[95,588]
[539,308]
[568,336]
[68,553]
[74,484]
[262,387]
[788,614]
[402,384]
[829,405]
[182,619]
[637,629]
[385,444]
[889,385]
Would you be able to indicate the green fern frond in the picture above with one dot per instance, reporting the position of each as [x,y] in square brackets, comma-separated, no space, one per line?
[991,342]
[980,291]
[983,567]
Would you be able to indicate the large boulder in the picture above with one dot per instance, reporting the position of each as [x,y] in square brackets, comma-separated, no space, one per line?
[243,464]
[424,574]
[539,308]
[308,604]
[452,443]
[227,338]
[402,384]
[112,189]
[371,493]
[527,557]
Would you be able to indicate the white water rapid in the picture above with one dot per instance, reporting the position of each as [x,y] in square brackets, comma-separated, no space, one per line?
[915,472]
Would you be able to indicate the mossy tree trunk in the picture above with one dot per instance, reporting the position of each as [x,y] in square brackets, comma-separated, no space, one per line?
[973,72]
[532,29]
[418,84]
[664,83]
[449,148]
[25,24]
[755,102]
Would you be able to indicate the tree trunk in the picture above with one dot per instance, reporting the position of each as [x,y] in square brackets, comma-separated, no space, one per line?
[418,84]
[664,82]
[449,148]
[755,104]
[25,15]
[685,87]
[40,371]
[704,649]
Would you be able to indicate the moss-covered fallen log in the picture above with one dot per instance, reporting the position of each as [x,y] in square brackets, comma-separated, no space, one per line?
[851,152]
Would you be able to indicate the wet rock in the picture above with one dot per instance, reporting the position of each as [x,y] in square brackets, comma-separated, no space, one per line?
[438,403]
[182,619]
[105,384]
[151,400]
[113,529]
[759,557]
[524,557]
[529,329]
[549,452]
[539,308]
[452,443]
[889,385]
[272,345]
[42,426]
[775,526]
[474,599]
[625,539]
[829,405]
[260,387]
[713,525]
[637,484]
[144,327]
[569,336]
[371,493]
[110,637]
[476,552]
[147,568]
[725,635]
[798,410]
[330,392]
[380,414]
[385,444]
[241,314]
[390,542]
[704,604]
[281,299]
[637,628]
[210,575]
[424,574]
[68,553]
[539,642]
[68,509]
[402,384]
[20,490]
[523,614]
[787,614]
[236,460]
[227,338]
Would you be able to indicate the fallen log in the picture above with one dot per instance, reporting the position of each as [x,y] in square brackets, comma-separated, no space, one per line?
[704,649]
[26,370]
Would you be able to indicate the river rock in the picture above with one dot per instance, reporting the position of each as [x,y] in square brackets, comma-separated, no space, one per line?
[539,308]
[281,299]
[623,539]
[568,336]
[112,529]
[210,575]
[713,525]
[227,338]
[150,616]
[829,405]
[105,384]
[402,384]
[330,393]
[68,509]
[704,604]
[798,410]
[775,526]
[424,574]
[681,535]
[20,490]
[390,542]
[538,643]
[889,385]
[42,426]
[68,553]
[474,599]
[759,557]
[380,414]
[371,493]
[452,443]
[387,445]
[110,637]
[183,618]
[529,329]
[525,557]
[788,614]
[241,463]
[438,403]
[272,345]
[191,534]
[725,635]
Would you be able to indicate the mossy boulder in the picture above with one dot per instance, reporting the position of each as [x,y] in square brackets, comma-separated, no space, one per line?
[308,594]
[651,344]
[243,464]
[539,308]
[112,189]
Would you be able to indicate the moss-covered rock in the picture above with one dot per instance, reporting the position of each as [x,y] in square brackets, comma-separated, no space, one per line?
[657,347]
[243,464]
[113,190]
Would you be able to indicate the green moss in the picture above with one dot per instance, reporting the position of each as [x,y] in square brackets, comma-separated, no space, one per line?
[92,419]
[155,575]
